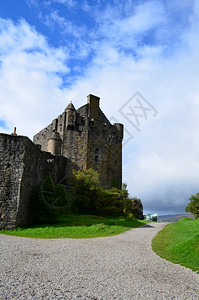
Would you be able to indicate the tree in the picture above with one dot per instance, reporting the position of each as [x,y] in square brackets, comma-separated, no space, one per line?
[86,179]
[193,206]
[92,199]
[87,188]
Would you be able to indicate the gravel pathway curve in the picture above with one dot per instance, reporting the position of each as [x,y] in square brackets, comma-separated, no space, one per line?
[118,267]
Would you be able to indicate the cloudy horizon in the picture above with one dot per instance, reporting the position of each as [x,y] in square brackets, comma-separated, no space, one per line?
[54,52]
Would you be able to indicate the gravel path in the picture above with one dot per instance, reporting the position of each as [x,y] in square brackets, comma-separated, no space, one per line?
[119,267]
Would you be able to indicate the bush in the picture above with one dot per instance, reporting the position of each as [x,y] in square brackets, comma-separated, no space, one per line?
[193,206]
[40,212]
[87,190]
[134,207]
[110,202]
[91,199]
[48,201]
[85,180]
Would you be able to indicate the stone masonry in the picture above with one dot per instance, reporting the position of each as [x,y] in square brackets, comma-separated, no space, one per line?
[76,139]
[22,167]
[87,138]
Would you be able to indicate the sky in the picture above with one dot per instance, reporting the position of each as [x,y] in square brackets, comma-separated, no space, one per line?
[141,57]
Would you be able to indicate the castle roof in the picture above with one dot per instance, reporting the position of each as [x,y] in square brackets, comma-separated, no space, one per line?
[70,106]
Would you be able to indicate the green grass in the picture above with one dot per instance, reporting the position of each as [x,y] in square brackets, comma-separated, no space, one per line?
[179,243]
[78,226]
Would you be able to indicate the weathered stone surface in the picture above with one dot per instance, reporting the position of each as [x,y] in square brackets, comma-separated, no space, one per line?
[77,139]
[89,140]
[22,167]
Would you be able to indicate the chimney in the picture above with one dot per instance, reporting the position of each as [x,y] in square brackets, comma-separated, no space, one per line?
[93,102]
[15,131]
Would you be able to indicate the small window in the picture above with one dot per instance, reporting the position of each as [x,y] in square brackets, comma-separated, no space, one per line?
[96,154]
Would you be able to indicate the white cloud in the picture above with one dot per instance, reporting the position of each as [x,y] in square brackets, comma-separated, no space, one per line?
[70,3]
[65,25]
[123,29]
[29,77]
[180,4]
[146,17]
[161,162]
[77,45]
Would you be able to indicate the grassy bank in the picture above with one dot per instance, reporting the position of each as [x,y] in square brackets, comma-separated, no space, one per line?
[179,243]
[78,226]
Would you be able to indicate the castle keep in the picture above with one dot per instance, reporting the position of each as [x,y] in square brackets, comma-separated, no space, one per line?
[87,138]
[76,139]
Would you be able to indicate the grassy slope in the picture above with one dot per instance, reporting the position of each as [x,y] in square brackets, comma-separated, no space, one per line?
[81,226]
[179,243]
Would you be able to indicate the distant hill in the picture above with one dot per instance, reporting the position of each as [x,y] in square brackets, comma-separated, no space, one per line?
[174,218]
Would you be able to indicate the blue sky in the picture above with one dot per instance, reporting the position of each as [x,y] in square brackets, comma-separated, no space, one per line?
[54,51]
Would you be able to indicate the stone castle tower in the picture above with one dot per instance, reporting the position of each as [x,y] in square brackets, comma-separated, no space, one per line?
[87,138]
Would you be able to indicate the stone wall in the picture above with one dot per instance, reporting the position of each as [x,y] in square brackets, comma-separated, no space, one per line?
[86,140]
[105,153]
[22,167]
[58,124]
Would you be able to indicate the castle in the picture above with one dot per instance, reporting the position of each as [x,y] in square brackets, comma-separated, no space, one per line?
[76,139]
[87,138]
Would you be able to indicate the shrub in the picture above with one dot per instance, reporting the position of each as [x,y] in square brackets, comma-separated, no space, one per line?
[134,207]
[40,212]
[110,202]
[48,201]
[92,199]
[84,180]
[87,188]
